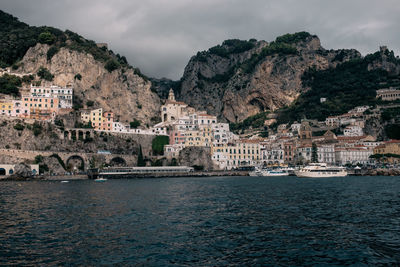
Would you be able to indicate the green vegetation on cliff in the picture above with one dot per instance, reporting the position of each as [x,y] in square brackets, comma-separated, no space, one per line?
[158,144]
[348,85]
[17,37]
[256,121]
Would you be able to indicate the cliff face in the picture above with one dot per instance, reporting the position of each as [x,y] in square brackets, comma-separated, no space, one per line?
[122,91]
[227,87]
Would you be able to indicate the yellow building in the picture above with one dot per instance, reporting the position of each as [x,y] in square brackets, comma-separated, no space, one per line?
[202,137]
[245,152]
[389,148]
[6,108]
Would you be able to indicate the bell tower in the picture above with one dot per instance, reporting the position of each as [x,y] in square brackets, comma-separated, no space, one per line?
[171,95]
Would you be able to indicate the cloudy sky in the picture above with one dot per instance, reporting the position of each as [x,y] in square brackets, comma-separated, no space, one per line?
[160,36]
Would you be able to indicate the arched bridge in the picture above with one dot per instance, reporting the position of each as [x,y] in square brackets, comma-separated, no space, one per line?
[83,160]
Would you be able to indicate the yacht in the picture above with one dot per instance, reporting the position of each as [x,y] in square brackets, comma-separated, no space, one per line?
[320,170]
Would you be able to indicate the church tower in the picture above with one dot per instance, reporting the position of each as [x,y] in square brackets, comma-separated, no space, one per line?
[171,95]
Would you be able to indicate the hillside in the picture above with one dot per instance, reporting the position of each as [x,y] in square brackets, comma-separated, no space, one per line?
[64,57]
[353,83]
[238,79]
[235,80]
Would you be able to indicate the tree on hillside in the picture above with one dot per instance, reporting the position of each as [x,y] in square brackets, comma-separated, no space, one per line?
[314,153]
[140,162]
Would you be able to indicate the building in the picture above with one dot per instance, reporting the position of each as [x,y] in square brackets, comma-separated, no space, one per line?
[353,155]
[353,130]
[388,94]
[107,121]
[326,153]
[41,107]
[389,150]
[304,153]
[172,109]
[64,94]
[332,121]
[6,107]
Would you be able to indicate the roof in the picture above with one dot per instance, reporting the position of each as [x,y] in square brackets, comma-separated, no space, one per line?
[175,102]
[393,141]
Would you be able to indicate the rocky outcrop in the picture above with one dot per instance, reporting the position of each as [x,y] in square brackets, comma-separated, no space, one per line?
[199,157]
[224,87]
[122,91]
[22,171]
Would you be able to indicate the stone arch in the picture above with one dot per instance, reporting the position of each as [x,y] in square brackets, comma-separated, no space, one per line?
[87,135]
[117,161]
[75,163]
[66,134]
[11,171]
[2,171]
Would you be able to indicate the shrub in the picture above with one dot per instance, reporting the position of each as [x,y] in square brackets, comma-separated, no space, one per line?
[78,77]
[46,38]
[111,65]
[19,127]
[44,73]
[51,52]
[38,159]
[134,124]
[90,103]
[9,84]
[37,128]
[158,144]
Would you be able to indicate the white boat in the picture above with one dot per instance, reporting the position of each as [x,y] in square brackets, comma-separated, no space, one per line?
[100,180]
[269,172]
[276,172]
[320,170]
[256,173]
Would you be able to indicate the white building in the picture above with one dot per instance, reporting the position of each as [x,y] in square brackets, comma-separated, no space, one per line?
[304,153]
[353,130]
[172,151]
[332,121]
[272,154]
[326,154]
[353,155]
[64,94]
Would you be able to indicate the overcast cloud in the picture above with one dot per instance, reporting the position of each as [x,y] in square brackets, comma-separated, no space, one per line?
[160,36]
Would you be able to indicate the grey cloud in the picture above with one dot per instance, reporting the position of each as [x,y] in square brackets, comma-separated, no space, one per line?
[160,36]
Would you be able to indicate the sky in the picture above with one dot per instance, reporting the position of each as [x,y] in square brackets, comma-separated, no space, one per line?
[160,36]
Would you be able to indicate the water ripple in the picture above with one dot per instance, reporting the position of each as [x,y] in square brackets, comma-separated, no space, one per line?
[231,221]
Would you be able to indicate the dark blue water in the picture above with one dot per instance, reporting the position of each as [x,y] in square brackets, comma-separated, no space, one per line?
[202,222]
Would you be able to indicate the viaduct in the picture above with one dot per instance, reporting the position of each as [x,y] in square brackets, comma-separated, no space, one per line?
[70,158]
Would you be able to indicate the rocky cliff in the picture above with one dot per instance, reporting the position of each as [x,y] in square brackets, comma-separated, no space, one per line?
[235,84]
[122,91]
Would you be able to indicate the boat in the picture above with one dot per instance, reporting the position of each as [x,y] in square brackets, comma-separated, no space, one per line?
[64,181]
[320,170]
[276,172]
[256,173]
[100,180]
[269,172]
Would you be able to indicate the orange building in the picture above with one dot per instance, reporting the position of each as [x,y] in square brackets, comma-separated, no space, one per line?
[107,121]
[41,107]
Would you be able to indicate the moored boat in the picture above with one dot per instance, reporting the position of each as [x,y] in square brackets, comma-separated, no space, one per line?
[320,170]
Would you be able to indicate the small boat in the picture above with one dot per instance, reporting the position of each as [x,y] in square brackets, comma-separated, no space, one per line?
[256,173]
[64,181]
[276,172]
[100,180]
[320,170]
